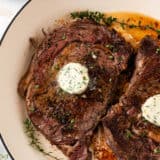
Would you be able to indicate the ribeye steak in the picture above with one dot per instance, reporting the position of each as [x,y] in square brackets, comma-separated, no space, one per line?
[68,120]
[128,134]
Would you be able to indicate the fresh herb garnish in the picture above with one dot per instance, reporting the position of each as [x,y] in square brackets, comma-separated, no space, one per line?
[56,67]
[122,25]
[100,18]
[158,31]
[62,117]
[31,109]
[84,78]
[111,47]
[149,26]
[108,21]
[34,141]
[95,16]
[132,26]
[129,134]
[157,150]
[144,120]
[69,126]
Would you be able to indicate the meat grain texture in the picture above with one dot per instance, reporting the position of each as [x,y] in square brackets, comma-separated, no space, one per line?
[66,120]
[128,134]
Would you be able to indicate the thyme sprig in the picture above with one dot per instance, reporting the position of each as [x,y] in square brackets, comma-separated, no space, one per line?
[34,141]
[95,16]
[139,26]
[100,18]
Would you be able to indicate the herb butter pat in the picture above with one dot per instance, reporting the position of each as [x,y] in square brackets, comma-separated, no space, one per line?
[73,78]
[151,109]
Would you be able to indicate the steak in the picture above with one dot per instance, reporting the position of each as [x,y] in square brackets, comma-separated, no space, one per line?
[100,148]
[128,134]
[68,120]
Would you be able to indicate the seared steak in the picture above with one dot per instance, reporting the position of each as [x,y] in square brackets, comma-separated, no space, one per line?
[128,134]
[68,120]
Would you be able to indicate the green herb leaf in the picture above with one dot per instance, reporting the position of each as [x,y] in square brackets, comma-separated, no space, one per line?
[95,16]
[108,21]
[144,120]
[109,46]
[56,67]
[122,25]
[132,26]
[149,26]
[27,124]
[84,78]
[158,31]
[129,134]
[80,15]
